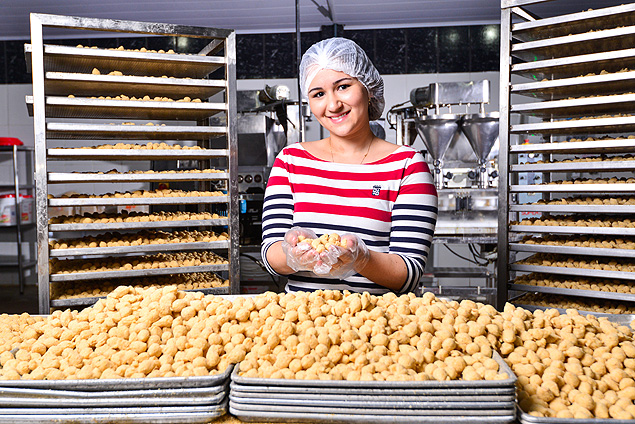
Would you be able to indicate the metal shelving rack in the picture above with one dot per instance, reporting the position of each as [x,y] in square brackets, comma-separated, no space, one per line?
[564,77]
[59,71]
[20,262]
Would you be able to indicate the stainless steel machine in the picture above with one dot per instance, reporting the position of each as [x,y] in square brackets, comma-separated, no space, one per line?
[459,139]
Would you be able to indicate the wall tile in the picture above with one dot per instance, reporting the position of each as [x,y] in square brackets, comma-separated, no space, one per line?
[485,48]
[392,45]
[132,43]
[454,55]
[158,43]
[279,56]
[422,54]
[16,62]
[365,39]
[3,63]
[250,56]
[104,43]
[307,39]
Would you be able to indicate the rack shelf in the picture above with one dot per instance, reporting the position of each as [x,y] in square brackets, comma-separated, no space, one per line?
[75,82]
[576,74]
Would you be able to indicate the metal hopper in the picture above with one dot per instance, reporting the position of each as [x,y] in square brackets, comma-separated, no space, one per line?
[481,131]
[437,132]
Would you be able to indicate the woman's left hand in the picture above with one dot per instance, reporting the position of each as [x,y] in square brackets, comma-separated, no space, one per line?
[345,260]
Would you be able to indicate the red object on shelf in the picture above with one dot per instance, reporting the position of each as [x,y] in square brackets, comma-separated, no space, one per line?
[10,141]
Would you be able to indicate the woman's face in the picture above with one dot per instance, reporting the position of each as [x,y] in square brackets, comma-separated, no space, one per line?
[339,102]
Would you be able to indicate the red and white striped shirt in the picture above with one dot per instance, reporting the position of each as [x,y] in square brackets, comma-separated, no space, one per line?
[391,204]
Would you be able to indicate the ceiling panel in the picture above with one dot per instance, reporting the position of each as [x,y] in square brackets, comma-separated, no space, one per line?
[259,16]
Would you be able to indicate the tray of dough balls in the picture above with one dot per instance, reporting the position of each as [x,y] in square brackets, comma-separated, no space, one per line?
[142,107]
[573,367]
[140,355]
[359,358]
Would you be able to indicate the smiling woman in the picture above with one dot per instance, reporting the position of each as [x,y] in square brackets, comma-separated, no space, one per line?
[375,198]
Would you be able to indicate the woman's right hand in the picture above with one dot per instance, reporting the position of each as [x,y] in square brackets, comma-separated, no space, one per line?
[300,257]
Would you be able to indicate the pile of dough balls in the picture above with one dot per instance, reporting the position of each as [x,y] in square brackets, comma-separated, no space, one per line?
[166,192]
[581,262]
[133,333]
[547,300]
[579,221]
[148,146]
[128,263]
[151,171]
[323,242]
[612,201]
[602,158]
[330,335]
[138,239]
[101,288]
[612,180]
[125,216]
[567,282]
[603,242]
[607,138]
[145,98]
[569,365]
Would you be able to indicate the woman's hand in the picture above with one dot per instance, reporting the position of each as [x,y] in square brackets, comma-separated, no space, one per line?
[300,257]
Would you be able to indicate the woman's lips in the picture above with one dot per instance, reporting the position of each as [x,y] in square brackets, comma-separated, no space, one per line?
[338,118]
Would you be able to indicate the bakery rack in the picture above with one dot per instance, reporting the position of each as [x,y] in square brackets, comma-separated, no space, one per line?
[566,96]
[72,105]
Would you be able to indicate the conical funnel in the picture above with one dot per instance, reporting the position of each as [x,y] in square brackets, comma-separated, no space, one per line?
[481,131]
[437,132]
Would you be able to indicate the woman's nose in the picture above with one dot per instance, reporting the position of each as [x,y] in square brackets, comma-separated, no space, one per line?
[334,102]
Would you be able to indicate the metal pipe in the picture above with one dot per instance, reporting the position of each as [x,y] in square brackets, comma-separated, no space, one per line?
[298,59]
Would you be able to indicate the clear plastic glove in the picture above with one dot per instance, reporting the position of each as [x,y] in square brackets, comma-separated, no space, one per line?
[352,256]
[300,257]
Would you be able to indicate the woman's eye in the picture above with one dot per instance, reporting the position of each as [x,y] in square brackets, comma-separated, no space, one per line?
[343,86]
[317,95]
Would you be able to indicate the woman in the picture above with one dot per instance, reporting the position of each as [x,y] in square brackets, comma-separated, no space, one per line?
[378,196]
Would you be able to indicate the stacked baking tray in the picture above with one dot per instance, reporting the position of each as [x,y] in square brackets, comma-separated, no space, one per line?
[569,90]
[168,400]
[278,400]
[73,104]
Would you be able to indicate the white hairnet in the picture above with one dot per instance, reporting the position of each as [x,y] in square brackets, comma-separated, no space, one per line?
[341,54]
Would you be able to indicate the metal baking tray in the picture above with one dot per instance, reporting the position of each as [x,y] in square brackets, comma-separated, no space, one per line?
[585,147]
[573,66]
[138,225]
[238,392]
[525,418]
[76,177]
[62,83]
[362,418]
[136,273]
[583,272]
[573,250]
[619,103]
[120,201]
[376,393]
[145,154]
[549,229]
[592,209]
[131,399]
[141,131]
[617,124]
[624,319]
[371,401]
[88,301]
[100,385]
[146,248]
[598,40]
[79,107]
[83,60]
[594,294]
[573,188]
[167,415]
[574,23]
[619,82]
[595,166]
[440,412]
[400,385]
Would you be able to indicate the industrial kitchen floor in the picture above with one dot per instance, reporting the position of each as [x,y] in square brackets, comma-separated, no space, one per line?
[12,302]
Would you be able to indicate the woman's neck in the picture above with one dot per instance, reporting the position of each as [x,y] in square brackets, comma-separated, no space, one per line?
[353,150]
